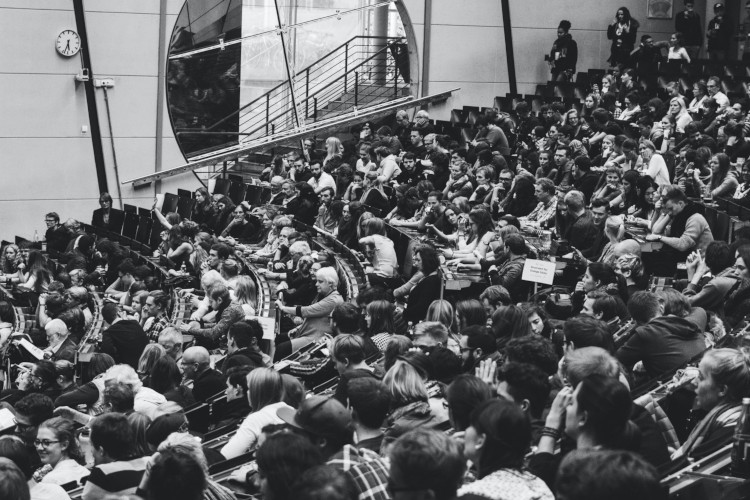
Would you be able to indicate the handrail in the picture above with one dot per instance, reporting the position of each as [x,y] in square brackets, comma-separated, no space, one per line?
[319,91]
[236,150]
[286,82]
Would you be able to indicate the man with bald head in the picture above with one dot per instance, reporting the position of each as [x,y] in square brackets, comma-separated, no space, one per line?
[207,382]
[60,345]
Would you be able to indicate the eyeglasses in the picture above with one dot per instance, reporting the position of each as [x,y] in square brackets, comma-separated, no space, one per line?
[50,221]
[45,443]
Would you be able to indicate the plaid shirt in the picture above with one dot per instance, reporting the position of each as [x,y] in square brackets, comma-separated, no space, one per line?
[156,328]
[543,214]
[368,469]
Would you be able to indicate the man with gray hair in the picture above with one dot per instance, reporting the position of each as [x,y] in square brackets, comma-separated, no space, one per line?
[579,227]
[60,344]
[277,195]
[315,317]
[146,401]
[171,340]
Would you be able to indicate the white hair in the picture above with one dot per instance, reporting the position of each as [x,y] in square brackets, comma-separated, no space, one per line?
[123,374]
[328,274]
[183,442]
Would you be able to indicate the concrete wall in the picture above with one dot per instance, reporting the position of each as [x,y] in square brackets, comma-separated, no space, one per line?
[48,163]
[467,43]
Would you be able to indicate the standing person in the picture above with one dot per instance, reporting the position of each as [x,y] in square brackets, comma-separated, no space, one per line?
[688,22]
[564,54]
[718,35]
[622,31]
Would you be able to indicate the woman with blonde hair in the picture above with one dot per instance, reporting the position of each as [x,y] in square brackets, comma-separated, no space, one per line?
[246,295]
[334,154]
[10,259]
[265,393]
[442,311]
[409,396]
[723,381]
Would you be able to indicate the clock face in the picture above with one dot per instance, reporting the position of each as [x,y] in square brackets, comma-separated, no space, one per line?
[68,43]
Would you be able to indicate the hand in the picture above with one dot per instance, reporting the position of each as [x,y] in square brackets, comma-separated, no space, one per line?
[486,372]
[652,237]
[492,269]
[279,304]
[66,412]
[282,286]
[579,286]
[556,415]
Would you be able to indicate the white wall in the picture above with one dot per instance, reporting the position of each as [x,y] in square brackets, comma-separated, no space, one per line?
[48,164]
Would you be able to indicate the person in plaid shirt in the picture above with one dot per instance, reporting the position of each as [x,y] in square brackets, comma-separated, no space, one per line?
[544,214]
[328,424]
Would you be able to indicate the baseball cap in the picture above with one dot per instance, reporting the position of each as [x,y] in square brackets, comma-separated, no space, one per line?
[718,6]
[318,415]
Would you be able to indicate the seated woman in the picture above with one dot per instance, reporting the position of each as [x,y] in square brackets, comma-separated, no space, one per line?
[299,287]
[38,276]
[379,316]
[384,261]
[407,203]
[203,210]
[481,233]
[496,442]
[598,277]
[354,190]
[315,317]
[723,381]
[246,295]
[742,193]
[59,452]
[450,232]
[373,197]
[223,217]
[611,186]
[624,203]
[644,211]
[409,400]
[265,393]
[723,182]
[427,288]
[10,261]
[632,107]
[227,314]
[243,225]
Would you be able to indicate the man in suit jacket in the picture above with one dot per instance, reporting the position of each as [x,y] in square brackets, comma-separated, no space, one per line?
[124,339]
[60,346]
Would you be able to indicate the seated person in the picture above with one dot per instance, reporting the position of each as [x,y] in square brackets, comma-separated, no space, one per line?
[724,381]
[543,216]
[710,280]
[682,227]
[348,355]
[664,339]
[508,274]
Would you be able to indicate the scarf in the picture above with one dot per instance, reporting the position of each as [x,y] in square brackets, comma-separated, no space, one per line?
[722,411]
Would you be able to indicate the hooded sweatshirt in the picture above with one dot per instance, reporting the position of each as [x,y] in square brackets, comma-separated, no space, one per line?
[664,344]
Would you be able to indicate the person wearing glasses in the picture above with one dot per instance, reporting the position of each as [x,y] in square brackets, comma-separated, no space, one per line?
[58,449]
[57,237]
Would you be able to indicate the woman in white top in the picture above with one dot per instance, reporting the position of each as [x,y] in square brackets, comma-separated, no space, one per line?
[58,450]
[265,391]
[676,51]
[653,164]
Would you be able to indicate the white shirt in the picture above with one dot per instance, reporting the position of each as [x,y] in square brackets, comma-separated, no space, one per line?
[657,170]
[722,100]
[326,180]
[246,438]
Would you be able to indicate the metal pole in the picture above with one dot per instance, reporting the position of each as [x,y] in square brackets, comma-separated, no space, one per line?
[356,88]
[508,29]
[286,64]
[346,66]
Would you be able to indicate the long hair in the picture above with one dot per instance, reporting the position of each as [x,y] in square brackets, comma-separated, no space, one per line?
[381,317]
[724,164]
[140,423]
[470,312]
[333,148]
[150,355]
[10,265]
[64,431]
[442,312]
[245,291]
[510,322]
[730,368]
[38,269]
[264,387]
[483,220]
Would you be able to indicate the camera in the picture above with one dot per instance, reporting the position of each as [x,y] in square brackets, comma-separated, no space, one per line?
[547,57]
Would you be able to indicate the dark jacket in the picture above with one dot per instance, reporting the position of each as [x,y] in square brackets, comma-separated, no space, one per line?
[689,24]
[116,218]
[408,417]
[207,384]
[420,298]
[564,54]
[67,351]
[242,357]
[581,231]
[124,341]
[663,344]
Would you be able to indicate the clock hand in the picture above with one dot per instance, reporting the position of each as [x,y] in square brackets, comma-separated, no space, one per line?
[67,46]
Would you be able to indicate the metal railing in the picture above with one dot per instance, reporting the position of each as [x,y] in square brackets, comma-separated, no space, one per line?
[359,71]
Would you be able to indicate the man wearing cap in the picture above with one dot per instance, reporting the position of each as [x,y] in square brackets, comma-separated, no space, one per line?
[328,425]
[718,34]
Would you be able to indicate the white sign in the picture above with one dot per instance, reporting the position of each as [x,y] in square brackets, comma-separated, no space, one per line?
[538,271]
[269,326]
